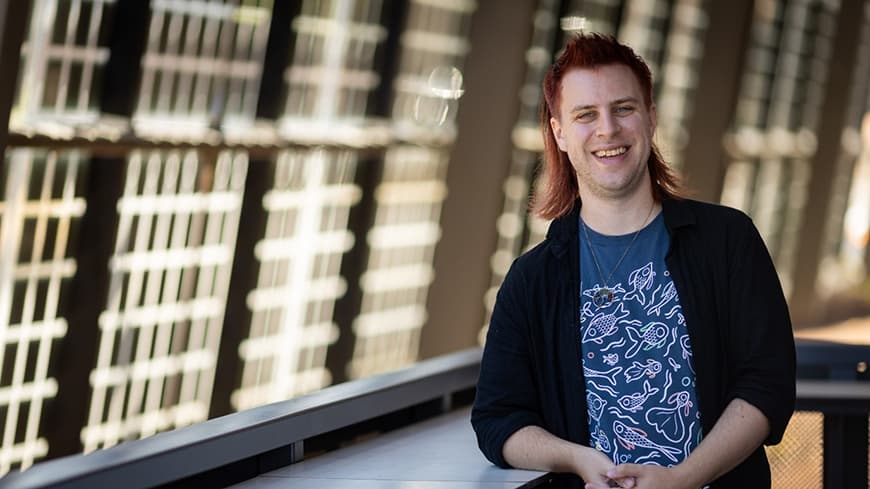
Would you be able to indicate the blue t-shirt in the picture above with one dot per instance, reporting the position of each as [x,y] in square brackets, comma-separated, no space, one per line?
[637,360]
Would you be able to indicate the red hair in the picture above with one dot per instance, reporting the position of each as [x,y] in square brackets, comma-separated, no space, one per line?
[560,188]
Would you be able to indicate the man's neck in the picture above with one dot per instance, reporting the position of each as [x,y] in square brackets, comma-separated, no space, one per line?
[619,216]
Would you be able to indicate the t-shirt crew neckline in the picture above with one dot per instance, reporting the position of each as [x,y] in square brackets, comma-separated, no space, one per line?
[620,239]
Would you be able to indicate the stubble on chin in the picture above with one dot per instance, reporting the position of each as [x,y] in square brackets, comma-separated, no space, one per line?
[615,189]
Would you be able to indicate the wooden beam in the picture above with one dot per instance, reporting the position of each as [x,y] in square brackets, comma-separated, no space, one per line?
[719,77]
[841,70]
[478,168]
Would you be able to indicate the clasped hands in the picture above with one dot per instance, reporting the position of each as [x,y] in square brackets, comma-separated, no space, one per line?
[633,476]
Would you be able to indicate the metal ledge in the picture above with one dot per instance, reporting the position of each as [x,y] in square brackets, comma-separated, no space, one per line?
[112,136]
[189,451]
[833,396]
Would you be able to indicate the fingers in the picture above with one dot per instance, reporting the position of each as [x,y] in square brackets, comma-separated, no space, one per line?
[625,474]
[625,470]
[626,483]
[596,485]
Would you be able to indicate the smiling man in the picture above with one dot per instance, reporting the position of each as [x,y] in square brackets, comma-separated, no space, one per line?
[646,342]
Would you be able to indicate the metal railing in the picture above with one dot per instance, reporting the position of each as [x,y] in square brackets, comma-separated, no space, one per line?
[833,381]
[243,445]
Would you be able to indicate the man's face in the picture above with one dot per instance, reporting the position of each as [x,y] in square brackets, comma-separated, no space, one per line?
[606,129]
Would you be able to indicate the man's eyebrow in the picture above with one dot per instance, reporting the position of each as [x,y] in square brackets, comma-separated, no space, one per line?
[624,100]
[578,108]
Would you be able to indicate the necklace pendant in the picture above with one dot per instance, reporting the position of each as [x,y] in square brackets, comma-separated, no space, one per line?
[603,297]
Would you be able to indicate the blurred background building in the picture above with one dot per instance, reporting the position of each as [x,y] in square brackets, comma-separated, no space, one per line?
[210,205]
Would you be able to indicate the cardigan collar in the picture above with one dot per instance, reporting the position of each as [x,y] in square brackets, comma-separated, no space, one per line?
[562,232]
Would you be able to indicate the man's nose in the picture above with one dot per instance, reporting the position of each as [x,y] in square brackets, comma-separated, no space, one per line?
[608,125]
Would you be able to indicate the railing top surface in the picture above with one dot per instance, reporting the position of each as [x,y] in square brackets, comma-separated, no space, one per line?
[833,396]
[834,390]
[176,454]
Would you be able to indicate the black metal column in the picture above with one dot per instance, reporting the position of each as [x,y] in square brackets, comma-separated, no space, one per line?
[353,264]
[13,22]
[845,451]
[85,297]
[84,301]
[252,222]
[362,215]
[237,317]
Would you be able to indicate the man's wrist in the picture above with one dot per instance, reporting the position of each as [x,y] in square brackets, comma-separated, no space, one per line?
[581,457]
[688,475]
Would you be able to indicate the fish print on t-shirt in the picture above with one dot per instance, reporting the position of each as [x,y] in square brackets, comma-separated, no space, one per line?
[637,356]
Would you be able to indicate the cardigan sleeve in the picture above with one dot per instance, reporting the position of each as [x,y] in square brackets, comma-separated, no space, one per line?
[762,351]
[506,397]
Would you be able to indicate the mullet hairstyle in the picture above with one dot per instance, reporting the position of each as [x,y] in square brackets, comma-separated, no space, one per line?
[560,189]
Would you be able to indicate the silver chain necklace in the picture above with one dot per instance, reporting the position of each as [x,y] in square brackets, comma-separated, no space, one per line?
[604,295]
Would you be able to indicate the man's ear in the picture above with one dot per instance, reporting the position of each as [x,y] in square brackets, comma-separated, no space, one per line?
[557,134]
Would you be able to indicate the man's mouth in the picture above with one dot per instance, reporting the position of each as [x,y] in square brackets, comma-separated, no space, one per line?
[606,153]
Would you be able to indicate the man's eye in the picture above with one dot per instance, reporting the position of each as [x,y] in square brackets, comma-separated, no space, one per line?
[585,116]
[624,109]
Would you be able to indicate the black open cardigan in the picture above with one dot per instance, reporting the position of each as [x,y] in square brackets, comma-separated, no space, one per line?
[735,311]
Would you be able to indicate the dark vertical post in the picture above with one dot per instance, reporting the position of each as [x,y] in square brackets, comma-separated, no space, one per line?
[123,72]
[845,451]
[87,291]
[867,258]
[237,317]
[278,52]
[479,166]
[836,102]
[13,22]
[353,265]
[252,222]
[83,302]
[362,215]
[719,78]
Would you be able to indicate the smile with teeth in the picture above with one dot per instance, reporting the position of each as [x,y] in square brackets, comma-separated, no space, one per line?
[611,152]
